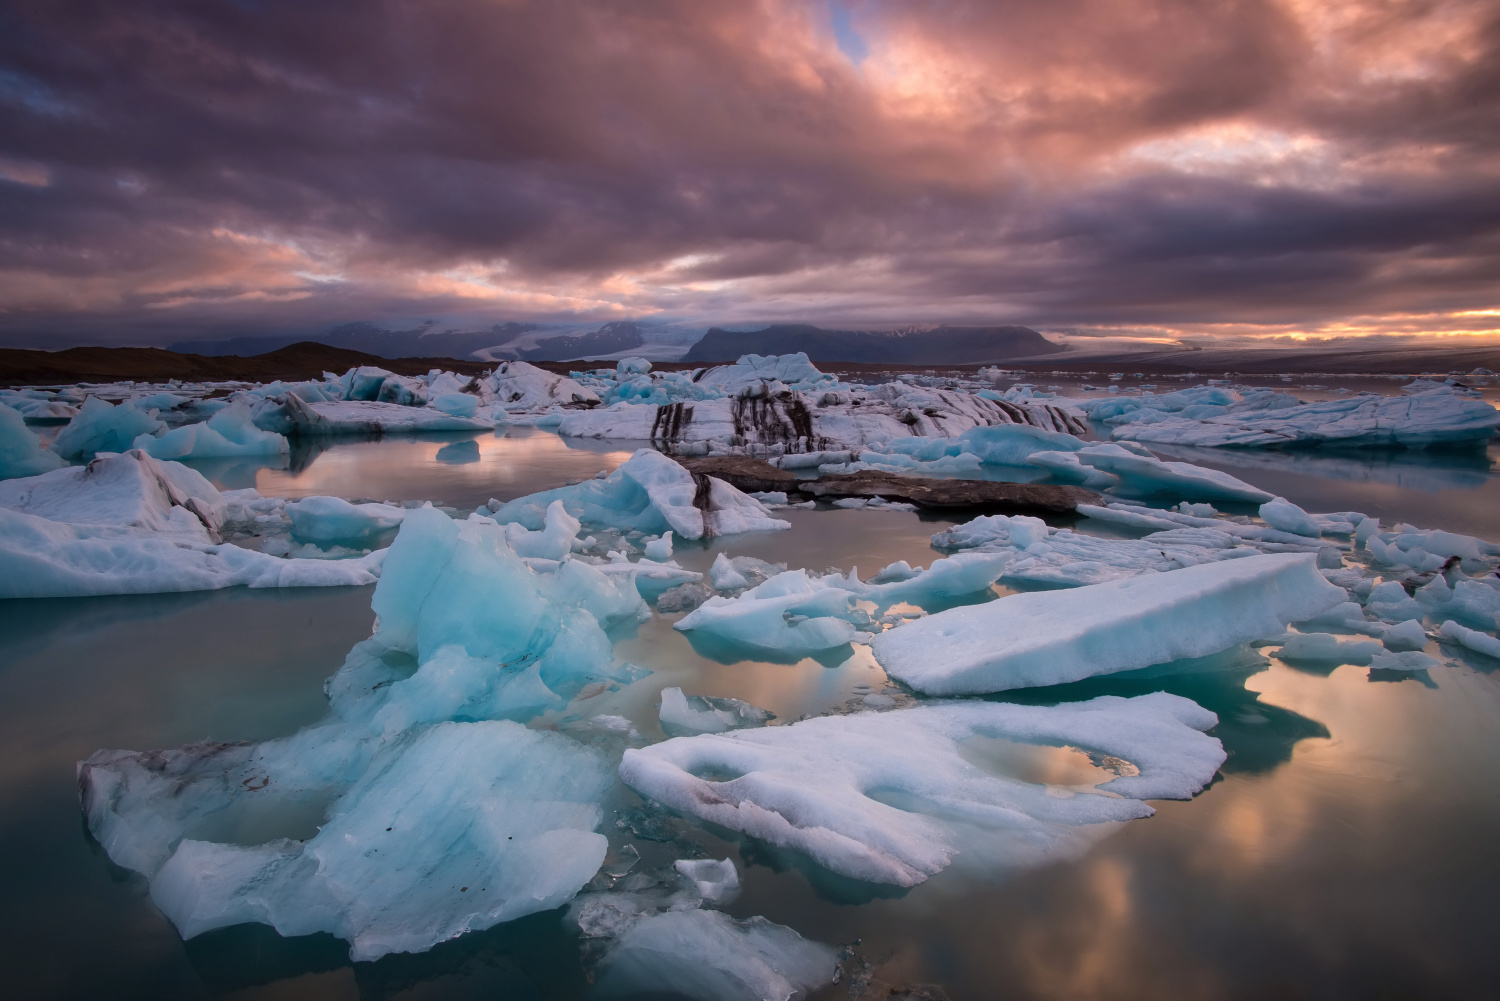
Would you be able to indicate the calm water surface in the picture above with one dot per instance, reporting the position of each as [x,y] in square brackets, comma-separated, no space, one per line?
[1347,850]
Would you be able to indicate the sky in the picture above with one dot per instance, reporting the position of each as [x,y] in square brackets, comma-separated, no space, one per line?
[1194,170]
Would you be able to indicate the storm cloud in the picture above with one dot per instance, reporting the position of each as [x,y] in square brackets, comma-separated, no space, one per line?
[1224,167]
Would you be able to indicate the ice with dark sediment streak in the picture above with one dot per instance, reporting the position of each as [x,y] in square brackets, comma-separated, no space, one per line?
[688,714]
[650,493]
[1054,637]
[442,815]
[894,797]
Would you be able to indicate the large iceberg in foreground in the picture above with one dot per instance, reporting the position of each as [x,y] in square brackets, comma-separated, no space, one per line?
[21,451]
[1054,637]
[893,797]
[438,815]
[649,493]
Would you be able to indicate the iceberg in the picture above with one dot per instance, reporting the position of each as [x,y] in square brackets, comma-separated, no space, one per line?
[789,616]
[21,451]
[1145,475]
[650,493]
[891,797]
[684,714]
[1321,648]
[709,956]
[440,815]
[519,386]
[1472,638]
[332,519]
[1419,421]
[295,417]
[1054,637]
[1283,515]
[103,427]
[229,432]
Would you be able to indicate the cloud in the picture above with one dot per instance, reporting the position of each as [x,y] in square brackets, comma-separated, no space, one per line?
[1277,165]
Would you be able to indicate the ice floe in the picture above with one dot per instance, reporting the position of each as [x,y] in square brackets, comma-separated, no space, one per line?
[21,451]
[103,427]
[688,714]
[891,797]
[1053,637]
[649,493]
[228,432]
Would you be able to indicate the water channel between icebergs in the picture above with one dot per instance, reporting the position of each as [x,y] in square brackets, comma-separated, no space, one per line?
[1346,848]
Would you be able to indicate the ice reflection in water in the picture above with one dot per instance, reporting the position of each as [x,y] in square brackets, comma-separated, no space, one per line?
[1346,848]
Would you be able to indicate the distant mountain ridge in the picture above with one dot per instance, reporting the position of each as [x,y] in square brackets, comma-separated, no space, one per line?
[498,342]
[939,346]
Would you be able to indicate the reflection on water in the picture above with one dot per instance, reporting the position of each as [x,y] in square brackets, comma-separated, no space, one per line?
[1345,850]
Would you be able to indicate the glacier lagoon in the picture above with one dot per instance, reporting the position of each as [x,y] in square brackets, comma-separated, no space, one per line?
[1342,846]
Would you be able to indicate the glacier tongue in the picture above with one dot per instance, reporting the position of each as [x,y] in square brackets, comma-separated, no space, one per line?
[891,798]
[442,815]
[1054,637]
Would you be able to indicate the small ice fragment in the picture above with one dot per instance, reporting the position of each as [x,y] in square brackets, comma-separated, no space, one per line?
[877,701]
[1282,514]
[1410,660]
[717,881]
[660,549]
[1326,649]
[684,714]
[725,577]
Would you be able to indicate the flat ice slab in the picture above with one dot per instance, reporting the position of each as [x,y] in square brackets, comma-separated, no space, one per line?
[892,797]
[1054,637]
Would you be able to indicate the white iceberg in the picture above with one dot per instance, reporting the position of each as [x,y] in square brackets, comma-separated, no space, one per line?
[790,615]
[1054,637]
[1321,648]
[1471,638]
[892,797]
[650,493]
[1145,475]
[688,714]
[332,519]
[1285,516]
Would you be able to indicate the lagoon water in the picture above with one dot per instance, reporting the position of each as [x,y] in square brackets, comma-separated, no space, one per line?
[1347,849]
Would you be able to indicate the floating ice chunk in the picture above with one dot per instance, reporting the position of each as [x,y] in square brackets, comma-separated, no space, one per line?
[752,374]
[686,714]
[631,366]
[709,956]
[1014,444]
[456,828]
[1053,637]
[725,577]
[651,493]
[1409,660]
[1417,422]
[21,451]
[297,417]
[660,549]
[332,519]
[717,881]
[103,427]
[131,493]
[1408,635]
[553,542]
[1472,601]
[1471,638]
[788,615]
[49,559]
[1066,466]
[1147,476]
[230,432]
[892,798]
[456,404]
[1323,648]
[1389,601]
[518,386]
[952,577]
[1282,514]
